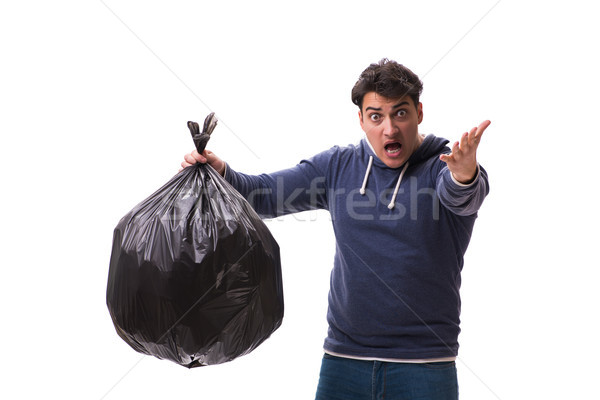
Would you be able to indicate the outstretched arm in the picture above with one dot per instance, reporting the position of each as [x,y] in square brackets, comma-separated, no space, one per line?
[462,161]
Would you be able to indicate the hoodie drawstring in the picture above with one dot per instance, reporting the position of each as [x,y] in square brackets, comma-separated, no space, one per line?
[364,185]
[393,201]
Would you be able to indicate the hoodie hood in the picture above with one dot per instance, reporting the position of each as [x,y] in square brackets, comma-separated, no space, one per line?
[430,147]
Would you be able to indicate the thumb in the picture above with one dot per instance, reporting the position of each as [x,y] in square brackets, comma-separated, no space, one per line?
[445,157]
[214,161]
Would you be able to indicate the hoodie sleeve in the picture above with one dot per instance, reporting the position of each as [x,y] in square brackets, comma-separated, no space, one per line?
[462,199]
[292,190]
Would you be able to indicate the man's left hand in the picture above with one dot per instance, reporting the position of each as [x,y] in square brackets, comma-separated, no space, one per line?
[462,162]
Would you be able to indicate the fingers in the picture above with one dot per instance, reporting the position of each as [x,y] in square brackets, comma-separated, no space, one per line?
[195,157]
[483,126]
[207,156]
[478,132]
[462,160]
[450,157]
[474,135]
[199,157]
[466,139]
[191,159]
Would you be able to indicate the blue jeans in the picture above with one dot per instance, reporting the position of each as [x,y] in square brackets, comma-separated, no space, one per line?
[348,379]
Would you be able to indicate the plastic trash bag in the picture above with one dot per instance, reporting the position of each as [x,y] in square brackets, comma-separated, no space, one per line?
[195,275]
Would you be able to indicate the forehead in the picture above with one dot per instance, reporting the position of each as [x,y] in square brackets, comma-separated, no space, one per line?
[374,100]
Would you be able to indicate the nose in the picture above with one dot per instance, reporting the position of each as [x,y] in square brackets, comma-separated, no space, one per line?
[389,129]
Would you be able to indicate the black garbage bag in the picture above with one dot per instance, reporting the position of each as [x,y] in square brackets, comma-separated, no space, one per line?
[195,275]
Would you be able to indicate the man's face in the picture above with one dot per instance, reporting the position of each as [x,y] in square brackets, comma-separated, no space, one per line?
[391,126]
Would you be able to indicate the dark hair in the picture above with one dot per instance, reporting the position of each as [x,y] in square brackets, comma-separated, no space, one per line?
[389,79]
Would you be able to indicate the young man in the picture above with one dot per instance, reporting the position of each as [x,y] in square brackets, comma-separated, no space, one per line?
[403,207]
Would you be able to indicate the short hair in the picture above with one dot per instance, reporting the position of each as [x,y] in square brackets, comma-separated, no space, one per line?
[389,79]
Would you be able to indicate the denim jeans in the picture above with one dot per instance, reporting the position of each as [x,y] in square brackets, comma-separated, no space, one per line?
[348,379]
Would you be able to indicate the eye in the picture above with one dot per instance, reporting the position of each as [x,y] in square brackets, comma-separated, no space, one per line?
[401,113]
[374,117]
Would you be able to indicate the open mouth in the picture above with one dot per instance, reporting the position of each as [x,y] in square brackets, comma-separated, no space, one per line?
[393,148]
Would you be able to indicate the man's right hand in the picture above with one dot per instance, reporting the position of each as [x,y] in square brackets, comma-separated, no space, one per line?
[207,156]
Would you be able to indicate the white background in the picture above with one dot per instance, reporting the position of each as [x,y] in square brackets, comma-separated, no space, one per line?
[94,100]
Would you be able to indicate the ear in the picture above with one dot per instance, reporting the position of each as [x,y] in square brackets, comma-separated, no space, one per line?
[420,112]
[360,119]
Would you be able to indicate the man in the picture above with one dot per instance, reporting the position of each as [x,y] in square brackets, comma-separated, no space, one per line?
[403,207]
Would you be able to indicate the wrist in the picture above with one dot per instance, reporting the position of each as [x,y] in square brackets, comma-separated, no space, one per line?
[462,180]
[222,169]
[465,179]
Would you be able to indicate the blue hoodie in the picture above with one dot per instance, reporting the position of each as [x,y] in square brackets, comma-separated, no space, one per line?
[401,234]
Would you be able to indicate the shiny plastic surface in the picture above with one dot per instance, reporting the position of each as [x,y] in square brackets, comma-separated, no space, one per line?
[195,275]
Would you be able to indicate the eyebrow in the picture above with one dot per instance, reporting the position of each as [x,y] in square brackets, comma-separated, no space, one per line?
[403,103]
